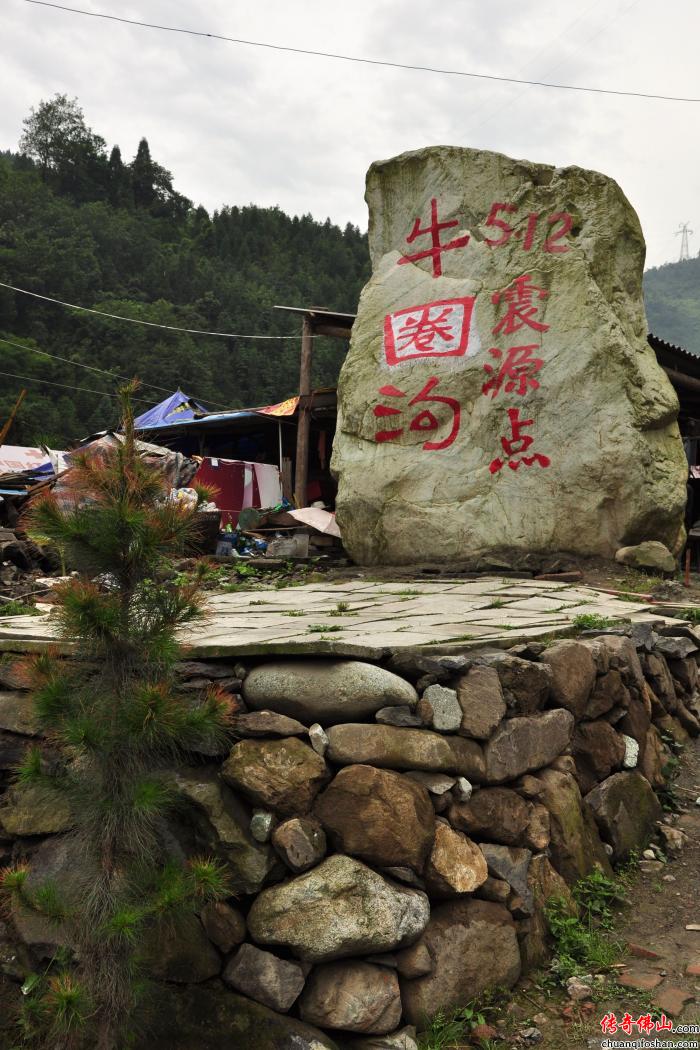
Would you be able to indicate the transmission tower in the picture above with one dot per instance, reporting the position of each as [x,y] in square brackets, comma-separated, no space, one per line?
[683,231]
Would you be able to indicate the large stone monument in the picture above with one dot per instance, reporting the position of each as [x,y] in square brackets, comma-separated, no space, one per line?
[500,400]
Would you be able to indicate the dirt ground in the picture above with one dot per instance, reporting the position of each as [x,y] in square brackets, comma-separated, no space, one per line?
[661,905]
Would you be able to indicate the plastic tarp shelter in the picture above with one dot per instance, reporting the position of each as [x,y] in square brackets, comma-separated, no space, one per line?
[178,408]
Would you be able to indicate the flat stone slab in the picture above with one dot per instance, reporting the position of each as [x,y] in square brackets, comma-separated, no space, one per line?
[357,618]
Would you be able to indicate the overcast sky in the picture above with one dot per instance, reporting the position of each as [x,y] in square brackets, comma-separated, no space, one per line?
[238,124]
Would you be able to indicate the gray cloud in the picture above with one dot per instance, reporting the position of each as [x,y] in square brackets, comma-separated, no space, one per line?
[239,125]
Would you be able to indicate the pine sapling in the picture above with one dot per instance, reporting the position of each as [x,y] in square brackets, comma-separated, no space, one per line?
[112,714]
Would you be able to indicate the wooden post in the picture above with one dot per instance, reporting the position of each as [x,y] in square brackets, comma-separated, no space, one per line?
[304,424]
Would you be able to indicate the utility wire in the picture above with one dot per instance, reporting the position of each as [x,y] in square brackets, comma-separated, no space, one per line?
[94,368]
[136,320]
[358,58]
[67,386]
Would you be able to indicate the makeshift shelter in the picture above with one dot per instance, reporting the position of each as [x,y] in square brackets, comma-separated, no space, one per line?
[266,435]
[178,408]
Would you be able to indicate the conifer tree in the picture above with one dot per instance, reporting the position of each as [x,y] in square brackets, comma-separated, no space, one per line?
[113,715]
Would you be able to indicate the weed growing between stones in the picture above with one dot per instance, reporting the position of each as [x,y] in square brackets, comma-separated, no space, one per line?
[592,622]
[452,1029]
[114,723]
[583,942]
[17,608]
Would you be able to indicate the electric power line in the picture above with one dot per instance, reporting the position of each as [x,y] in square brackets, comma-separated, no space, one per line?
[94,368]
[358,58]
[68,386]
[136,320]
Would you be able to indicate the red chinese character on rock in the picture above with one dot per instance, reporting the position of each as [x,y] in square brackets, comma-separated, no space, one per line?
[516,371]
[626,1024]
[664,1025]
[425,421]
[439,329]
[520,309]
[437,248]
[609,1024]
[645,1023]
[516,444]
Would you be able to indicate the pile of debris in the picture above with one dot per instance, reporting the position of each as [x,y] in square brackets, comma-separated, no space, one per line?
[24,566]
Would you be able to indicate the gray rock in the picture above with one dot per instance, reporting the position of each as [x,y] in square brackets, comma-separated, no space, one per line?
[575,846]
[456,865]
[29,809]
[404,874]
[414,961]
[462,790]
[473,947]
[300,842]
[266,723]
[224,926]
[511,865]
[648,555]
[399,716]
[626,811]
[261,824]
[439,708]
[264,977]
[401,1039]
[671,648]
[341,908]
[609,691]
[405,749]
[495,890]
[17,713]
[181,952]
[522,745]
[481,701]
[282,775]
[325,691]
[405,502]
[223,824]
[353,996]
[15,673]
[380,816]
[495,814]
[631,757]
[573,674]
[526,685]
[434,783]
[200,669]
[318,739]
[215,1017]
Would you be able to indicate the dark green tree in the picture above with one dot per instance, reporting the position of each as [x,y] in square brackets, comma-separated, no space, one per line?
[112,713]
[68,152]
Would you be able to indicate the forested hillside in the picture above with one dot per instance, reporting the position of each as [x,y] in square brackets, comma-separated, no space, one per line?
[672,297]
[79,224]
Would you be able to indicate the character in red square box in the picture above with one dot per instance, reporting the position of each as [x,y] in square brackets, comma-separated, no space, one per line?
[439,329]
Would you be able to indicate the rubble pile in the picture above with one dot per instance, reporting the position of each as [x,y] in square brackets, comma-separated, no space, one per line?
[23,565]
[392,831]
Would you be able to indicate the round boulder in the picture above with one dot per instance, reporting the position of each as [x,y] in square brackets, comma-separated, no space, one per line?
[474,947]
[282,775]
[384,818]
[325,691]
[340,908]
[354,996]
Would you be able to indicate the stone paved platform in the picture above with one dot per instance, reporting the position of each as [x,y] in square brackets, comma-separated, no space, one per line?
[370,620]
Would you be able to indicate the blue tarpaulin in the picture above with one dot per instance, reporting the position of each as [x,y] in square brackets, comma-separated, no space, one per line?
[178,408]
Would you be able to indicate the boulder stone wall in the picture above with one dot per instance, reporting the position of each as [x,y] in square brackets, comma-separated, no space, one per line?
[382,872]
[500,398]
